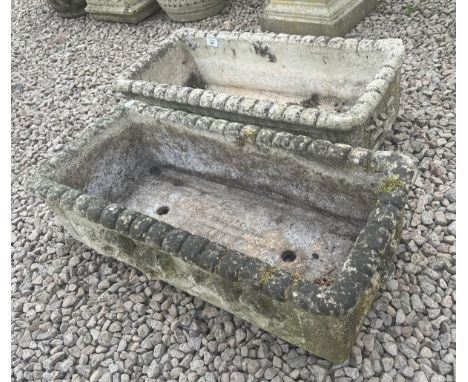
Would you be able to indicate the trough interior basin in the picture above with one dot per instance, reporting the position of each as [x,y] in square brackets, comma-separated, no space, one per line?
[327,79]
[286,210]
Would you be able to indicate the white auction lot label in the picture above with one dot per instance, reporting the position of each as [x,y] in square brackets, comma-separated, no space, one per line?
[212,41]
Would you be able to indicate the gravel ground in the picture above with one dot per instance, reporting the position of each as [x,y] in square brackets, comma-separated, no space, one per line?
[80,316]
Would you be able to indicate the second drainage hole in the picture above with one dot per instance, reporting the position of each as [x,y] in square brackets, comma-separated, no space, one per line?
[162,210]
[288,256]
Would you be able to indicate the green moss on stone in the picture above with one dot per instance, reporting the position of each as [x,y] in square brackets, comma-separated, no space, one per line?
[295,278]
[390,184]
[249,133]
[266,274]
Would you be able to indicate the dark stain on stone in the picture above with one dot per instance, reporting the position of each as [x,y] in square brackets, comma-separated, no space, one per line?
[177,183]
[264,51]
[196,81]
[192,45]
[155,171]
[312,101]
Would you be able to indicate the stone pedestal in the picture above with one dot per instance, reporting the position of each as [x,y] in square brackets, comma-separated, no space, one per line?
[315,17]
[126,11]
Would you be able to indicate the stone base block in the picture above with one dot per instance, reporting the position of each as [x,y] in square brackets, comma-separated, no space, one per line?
[315,17]
[125,11]
[72,14]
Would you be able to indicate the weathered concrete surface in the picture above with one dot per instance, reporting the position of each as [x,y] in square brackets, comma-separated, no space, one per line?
[341,90]
[69,8]
[191,10]
[315,17]
[126,11]
[92,185]
[253,224]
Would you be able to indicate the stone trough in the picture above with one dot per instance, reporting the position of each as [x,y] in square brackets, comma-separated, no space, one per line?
[292,234]
[341,90]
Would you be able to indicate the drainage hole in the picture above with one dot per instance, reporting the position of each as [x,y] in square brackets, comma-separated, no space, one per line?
[155,171]
[288,256]
[315,255]
[162,210]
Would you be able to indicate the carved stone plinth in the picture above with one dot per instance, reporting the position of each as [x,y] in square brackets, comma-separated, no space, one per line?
[315,17]
[127,11]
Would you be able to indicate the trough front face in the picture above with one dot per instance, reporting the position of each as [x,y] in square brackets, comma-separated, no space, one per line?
[341,90]
[291,234]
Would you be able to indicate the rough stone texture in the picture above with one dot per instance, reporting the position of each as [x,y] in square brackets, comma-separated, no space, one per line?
[315,17]
[126,11]
[61,91]
[341,90]
[69,8]
[321,313]
[191,10]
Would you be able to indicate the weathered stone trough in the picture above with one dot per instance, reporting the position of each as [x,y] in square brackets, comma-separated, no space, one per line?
[341,90]
[292,234]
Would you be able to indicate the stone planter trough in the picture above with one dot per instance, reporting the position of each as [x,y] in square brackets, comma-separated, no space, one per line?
[341,90]
[292,234]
